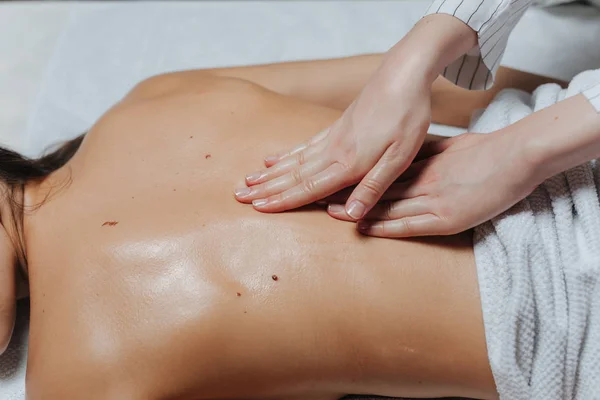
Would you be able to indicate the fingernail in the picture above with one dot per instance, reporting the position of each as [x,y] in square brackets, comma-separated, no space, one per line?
[253,176]
[363,226]
[356,209]
[242,192]
[271,159]
[336,209]
[259,202]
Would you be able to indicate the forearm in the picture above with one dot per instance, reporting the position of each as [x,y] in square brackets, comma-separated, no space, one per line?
[435,42]
[452,105]
[557,138]
[336,83]
[492,21]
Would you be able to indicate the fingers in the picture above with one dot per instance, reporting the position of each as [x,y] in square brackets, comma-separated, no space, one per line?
[387,211]
[294,178]
[418,225]
[374,184]
[285,165]
[274,159]
[297,176]
[309,190]
[402,189]
[405,218]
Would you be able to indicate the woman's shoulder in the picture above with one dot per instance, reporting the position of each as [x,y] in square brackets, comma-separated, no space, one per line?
[187,82]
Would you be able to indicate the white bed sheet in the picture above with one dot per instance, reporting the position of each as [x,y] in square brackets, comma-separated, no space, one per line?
[64,64]
[28,34]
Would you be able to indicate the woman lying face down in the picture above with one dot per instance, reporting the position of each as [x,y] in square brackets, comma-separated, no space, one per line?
[149,281]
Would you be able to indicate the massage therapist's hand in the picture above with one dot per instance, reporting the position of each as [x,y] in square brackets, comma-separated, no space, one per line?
[373,142]
[461,182]
[465,181]
[376,138]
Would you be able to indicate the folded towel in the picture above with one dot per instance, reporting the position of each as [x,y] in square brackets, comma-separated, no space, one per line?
[538,267]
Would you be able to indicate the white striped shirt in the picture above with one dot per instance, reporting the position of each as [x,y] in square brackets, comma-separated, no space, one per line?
[493,20]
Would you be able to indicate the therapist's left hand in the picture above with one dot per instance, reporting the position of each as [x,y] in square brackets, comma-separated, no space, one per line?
[376,138]
[373,142]
[464,181]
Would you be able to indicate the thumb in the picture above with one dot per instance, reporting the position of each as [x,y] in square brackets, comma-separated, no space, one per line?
[375,183]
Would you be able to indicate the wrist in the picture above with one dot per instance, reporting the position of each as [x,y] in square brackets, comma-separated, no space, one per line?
[518,168]
[432,44]
[557,138]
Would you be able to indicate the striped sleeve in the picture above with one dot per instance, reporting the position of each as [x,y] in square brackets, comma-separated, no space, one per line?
[593,95]
[493,20]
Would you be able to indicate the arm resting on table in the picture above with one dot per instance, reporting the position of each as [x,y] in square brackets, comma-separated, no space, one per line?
[335,83]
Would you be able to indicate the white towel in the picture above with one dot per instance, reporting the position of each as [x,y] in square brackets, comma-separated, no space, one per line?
[538,267]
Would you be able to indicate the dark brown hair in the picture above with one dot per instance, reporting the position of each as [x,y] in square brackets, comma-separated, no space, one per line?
[17,170]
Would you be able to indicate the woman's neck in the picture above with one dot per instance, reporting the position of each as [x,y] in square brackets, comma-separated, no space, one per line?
[34,196]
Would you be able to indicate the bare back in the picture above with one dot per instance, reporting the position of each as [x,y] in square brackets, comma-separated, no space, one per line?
[149,281]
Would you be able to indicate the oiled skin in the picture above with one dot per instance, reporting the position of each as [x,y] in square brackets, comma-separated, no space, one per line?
[187,294]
